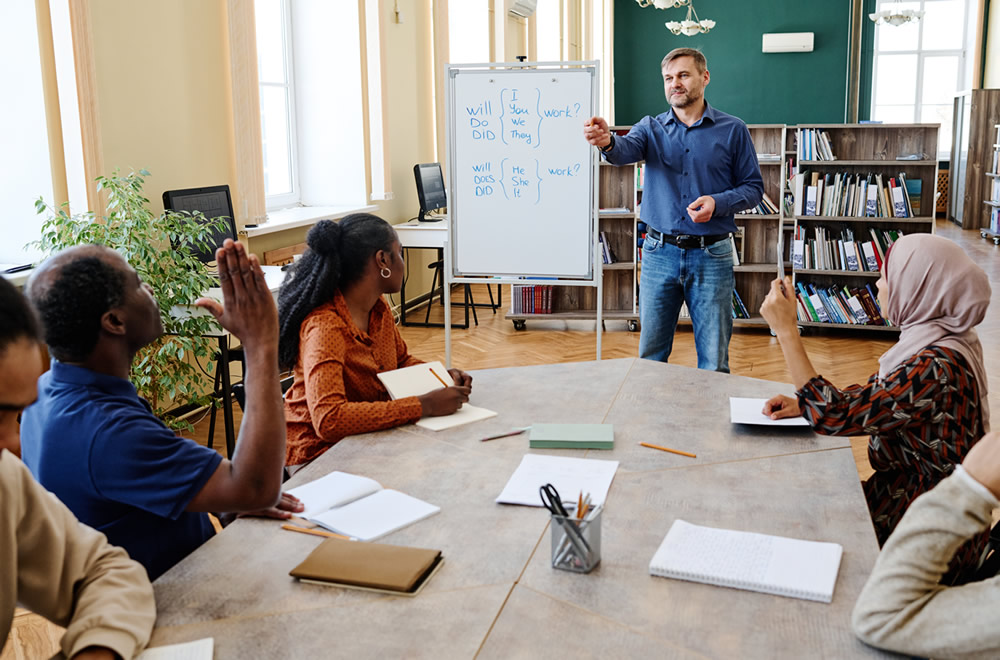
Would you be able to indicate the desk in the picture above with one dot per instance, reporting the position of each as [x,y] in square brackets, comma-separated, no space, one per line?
[496,595]
[274,276]
[430,235]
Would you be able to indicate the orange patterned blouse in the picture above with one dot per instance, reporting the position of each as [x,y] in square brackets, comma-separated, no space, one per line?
[336,392]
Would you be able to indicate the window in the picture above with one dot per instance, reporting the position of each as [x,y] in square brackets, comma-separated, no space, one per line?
[921,65]
[468,32]
[277,116]
[27,174]
[548,19]
[312,102]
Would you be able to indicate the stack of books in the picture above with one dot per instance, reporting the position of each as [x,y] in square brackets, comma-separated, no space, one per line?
[828,250]
[815,145]
[837,304]
[846,194]
[766,207]
[739,309]
[531,299]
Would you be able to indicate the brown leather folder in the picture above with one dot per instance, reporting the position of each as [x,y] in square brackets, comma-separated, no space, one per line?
[372,566]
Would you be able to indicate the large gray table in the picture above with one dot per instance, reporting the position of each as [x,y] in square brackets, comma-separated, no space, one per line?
[496,594]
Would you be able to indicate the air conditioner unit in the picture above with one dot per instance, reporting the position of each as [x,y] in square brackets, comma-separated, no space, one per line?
[788,42]
[523,8]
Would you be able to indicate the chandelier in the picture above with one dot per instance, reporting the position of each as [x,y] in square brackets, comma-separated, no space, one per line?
[690,26]
[663,4]
[896,15]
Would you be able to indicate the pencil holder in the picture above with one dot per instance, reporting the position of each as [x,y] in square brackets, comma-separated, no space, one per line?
[576,544]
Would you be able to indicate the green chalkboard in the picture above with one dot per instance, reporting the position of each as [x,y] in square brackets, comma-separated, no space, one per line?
[759,88]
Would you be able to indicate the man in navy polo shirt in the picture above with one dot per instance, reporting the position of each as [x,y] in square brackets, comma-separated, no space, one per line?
[701,168]
[96,445]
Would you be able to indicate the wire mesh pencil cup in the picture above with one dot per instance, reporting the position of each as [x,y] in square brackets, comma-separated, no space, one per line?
[576,544]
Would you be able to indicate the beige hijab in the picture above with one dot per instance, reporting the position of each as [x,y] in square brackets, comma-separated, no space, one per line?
[937,295]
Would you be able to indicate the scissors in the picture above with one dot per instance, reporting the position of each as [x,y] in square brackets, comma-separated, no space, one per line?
[551,500]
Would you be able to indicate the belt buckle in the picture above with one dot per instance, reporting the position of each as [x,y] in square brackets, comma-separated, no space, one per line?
[687,241]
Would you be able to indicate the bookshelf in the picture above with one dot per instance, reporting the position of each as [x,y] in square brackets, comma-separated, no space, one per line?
[618,205]
[620,197]
[759,260]
[993,189]
[846,208]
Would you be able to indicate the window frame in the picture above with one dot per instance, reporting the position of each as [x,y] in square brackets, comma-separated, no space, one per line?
[294,197]
[917,103]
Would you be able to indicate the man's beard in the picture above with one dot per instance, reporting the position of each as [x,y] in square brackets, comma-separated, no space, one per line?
[683,100]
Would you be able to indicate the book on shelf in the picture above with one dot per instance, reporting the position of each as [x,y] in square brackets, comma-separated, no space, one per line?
[822,248]
[765,563]
[815,145]
[359,507]
[769,158]
[531,299]
[765,207]
[739,309]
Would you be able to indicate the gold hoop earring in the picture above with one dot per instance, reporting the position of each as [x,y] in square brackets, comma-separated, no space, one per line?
[385,272]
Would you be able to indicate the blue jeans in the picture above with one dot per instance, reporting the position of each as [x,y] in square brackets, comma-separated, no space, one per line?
[701,277]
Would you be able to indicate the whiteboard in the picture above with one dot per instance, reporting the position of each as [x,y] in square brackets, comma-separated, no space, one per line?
[521,175]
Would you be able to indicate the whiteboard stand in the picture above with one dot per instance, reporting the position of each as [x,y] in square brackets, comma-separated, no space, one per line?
[521,201]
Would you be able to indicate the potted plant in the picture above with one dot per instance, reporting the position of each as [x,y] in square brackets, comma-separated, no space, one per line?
[169,371]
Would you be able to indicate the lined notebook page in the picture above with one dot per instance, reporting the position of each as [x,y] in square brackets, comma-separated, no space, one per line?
[746,560]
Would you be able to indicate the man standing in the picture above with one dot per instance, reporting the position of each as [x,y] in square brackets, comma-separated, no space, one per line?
[701,168]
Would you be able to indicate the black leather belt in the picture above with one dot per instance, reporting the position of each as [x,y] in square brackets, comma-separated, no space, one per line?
[686,241]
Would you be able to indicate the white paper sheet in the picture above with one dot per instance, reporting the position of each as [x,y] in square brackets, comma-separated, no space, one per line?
[748,411]
[570,476]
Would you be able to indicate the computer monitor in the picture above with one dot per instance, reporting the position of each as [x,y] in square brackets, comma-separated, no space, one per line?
[430,189]
[214,202]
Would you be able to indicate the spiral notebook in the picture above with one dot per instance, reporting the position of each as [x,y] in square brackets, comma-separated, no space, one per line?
[746,560]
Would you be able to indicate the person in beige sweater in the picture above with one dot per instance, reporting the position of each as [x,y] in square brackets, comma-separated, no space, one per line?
[50,562]
[903,607]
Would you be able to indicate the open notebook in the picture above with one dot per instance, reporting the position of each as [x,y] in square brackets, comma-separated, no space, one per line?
[421,379]
[359,507]
[201,649]
[746,560]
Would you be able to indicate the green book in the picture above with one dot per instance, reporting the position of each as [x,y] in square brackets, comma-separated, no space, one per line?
[572,436]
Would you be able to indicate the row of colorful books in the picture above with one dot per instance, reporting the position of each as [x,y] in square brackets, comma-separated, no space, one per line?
[766,207]
[815,145]
[828,250]
[848,194]
[838,304]
[531,299]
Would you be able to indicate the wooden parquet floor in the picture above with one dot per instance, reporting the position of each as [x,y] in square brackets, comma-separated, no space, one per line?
[843,357]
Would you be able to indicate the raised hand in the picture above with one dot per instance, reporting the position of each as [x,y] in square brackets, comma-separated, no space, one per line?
[779,307]
[247,310]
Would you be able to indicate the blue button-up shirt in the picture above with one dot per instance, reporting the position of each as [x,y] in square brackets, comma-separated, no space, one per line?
[91,441]
[714,156]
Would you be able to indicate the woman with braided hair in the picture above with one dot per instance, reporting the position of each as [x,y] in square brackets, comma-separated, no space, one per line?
[337,333]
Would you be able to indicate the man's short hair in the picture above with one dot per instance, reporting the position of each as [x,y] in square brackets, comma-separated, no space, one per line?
[72,301]
[17,319]
[697,55]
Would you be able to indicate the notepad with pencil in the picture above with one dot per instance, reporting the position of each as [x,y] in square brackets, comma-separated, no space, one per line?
[359,507]
[369,566]
[422,378]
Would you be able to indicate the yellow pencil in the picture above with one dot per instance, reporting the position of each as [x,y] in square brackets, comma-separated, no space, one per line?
[314,532]
[672,451]
[439,378]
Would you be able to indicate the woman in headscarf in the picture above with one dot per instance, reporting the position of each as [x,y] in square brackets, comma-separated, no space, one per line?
[926,406]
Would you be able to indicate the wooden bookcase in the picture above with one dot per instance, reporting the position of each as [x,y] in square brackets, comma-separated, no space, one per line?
[863,149]
[991,226]
[619,188]
[618,193]
[759,261]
